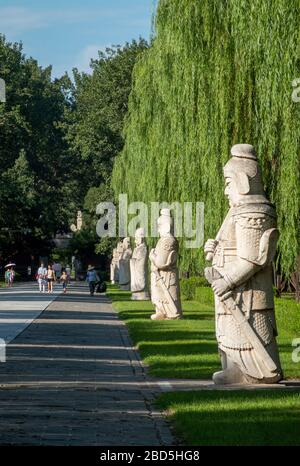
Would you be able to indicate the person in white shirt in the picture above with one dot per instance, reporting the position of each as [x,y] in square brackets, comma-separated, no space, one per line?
[41,277]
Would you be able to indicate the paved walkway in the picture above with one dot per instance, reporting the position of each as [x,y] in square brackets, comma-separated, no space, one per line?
[19,306]
[73,378]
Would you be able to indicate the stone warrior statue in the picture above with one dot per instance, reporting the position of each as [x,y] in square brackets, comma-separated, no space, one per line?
[241,276]
[114,267]
[165,292]
[124,265]
[138,267]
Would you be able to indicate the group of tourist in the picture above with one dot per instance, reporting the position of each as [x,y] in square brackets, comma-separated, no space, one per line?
[54,273]
[10,276]
[46,277]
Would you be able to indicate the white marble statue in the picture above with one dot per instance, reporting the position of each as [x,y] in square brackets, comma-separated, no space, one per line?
[241,276]
[79,222]
[165,292]
[114,267]
[139,267]
[124,265]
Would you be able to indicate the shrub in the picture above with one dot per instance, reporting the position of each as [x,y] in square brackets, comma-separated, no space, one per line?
[188,286]
[204,295]
[17,277]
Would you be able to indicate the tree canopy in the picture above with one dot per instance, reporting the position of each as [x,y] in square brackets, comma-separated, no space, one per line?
[37,183]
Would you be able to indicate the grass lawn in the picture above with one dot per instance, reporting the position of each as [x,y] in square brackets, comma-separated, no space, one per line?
[244,417]
[187,348]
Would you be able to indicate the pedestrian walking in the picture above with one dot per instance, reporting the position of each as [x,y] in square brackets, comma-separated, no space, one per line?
[10,274]
[57,269]
[6,276]
[41,277]
[50,278]
[68,272]
[92,278]
[12,277]
[64,280]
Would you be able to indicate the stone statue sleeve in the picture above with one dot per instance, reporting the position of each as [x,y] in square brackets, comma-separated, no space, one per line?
[249,231]
[166,255]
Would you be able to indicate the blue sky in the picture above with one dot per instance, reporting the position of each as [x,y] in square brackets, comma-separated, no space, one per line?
[67,34]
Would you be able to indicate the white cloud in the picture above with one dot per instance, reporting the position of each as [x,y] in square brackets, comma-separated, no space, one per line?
[84,57]
[14,20]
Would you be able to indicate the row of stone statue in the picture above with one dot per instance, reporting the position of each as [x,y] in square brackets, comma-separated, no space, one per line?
[130,269]
[241,275]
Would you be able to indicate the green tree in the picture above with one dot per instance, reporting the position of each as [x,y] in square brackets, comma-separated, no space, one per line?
[38,183]
[96,120]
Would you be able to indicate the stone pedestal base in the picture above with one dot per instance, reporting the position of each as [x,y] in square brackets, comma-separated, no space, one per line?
[232,374]
[140,296]
[160,316]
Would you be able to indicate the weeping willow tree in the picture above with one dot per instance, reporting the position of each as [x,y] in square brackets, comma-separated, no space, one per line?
[219,72]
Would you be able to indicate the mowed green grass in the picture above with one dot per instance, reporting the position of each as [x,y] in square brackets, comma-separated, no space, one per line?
[244,417]
[187,348]
[178,349]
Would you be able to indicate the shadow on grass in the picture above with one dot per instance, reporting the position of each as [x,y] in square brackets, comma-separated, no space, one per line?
[235,417]
[120,296]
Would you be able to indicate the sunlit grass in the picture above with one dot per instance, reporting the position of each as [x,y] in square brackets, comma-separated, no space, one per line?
[241,417]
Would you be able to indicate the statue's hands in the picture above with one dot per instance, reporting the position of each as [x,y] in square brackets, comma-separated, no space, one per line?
[220,286]
[151,254]
[210,246]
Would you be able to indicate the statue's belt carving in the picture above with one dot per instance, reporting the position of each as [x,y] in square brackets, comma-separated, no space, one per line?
[221,252]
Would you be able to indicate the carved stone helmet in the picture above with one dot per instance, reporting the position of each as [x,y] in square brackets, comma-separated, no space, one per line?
[165,221]
[140,233]
[244,169]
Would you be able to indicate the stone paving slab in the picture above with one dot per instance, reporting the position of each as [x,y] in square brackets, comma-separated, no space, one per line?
[73,378]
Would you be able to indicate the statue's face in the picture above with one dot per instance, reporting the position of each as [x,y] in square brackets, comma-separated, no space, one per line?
[126,243]
[231,192]
[138,240]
